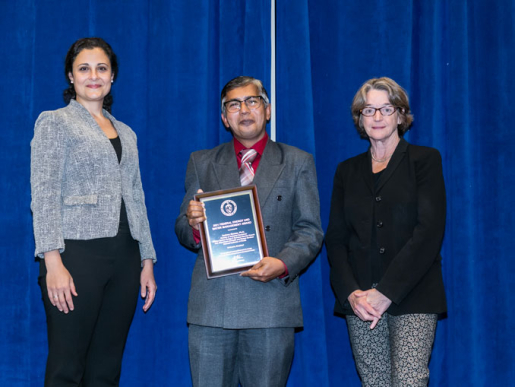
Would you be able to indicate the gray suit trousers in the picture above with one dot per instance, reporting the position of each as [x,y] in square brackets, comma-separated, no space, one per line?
[251,357]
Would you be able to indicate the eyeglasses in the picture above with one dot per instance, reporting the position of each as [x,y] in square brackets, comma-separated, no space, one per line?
[385,111]
[234,105]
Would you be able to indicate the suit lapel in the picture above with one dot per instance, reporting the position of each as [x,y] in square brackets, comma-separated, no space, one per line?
[396,159]
[225,168]
[269,170]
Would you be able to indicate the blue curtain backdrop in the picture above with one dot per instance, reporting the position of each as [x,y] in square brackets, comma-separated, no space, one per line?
[454,58]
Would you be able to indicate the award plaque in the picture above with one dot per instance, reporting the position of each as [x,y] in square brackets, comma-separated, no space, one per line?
[232,235]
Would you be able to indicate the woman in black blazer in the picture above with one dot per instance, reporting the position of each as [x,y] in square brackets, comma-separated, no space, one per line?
[384,237]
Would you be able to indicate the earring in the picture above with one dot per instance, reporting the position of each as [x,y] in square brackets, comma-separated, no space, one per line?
[71,81]
[112,81]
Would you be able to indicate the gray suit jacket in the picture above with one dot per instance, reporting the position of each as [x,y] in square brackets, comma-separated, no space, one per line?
[77,183]
[288,193]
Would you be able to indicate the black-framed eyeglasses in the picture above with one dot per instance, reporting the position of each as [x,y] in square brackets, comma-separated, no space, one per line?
[385,111]
[234,105]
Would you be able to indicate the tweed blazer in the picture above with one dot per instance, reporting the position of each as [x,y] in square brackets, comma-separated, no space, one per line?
[288,193]
[407,210]
[77,183]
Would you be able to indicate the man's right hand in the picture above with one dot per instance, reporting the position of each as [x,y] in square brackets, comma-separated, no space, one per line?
[195,213]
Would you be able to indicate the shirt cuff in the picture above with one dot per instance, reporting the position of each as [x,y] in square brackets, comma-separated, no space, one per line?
[286,273]
[196,235]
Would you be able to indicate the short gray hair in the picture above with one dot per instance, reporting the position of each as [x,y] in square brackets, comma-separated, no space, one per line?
[243,81]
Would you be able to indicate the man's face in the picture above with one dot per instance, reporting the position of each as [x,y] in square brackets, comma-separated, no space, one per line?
[248,126]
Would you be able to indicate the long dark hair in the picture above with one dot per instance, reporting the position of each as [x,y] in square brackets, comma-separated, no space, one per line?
[75,49]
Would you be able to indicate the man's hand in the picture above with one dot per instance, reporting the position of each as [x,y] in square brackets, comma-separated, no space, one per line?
[195,213]
[265,270]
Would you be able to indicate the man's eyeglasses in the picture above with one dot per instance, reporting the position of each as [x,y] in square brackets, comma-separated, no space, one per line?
[234,105]
[385,111]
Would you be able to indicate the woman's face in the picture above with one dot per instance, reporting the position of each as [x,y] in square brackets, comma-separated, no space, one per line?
[379,127]
[91,75]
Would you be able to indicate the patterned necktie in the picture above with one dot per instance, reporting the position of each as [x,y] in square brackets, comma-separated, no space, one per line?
[246,170]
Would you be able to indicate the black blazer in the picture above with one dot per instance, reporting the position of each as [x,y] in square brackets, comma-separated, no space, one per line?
[407,211]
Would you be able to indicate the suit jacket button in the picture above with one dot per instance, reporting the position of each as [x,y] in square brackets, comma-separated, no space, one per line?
[267,228]
[378,198]
[279,198]
[379,224]
[382,250]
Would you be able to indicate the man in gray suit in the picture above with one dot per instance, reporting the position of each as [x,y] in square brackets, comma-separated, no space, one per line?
[241,327]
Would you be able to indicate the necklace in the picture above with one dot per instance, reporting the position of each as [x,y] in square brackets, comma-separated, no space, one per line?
[380,160]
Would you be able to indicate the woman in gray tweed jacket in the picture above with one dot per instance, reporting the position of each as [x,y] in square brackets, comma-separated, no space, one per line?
[90,224]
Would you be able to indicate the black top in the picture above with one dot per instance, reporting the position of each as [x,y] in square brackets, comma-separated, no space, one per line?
[117,145]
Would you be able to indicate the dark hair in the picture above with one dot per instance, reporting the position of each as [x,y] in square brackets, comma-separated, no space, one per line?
[396,95]
[243,81]
[75,49]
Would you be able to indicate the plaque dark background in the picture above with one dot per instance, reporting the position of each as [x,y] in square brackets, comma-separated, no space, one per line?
[244,211]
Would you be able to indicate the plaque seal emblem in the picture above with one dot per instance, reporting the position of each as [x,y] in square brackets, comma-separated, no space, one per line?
[228,207]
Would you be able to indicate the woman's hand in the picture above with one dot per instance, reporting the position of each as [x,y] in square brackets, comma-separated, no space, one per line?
[148,284]
[379,302]
[362,308]
[59,282]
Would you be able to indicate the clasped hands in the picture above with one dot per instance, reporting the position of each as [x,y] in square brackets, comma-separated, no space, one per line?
[265,270]
[369,305]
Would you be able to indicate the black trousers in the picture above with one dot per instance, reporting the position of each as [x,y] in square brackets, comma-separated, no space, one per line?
[85,346]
